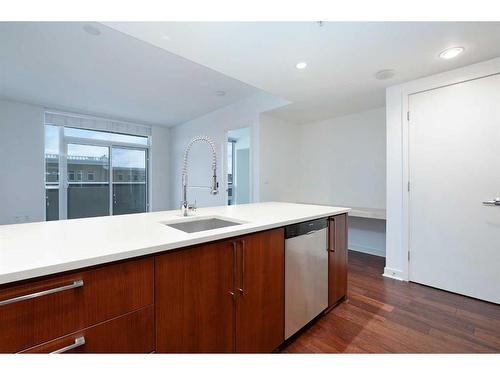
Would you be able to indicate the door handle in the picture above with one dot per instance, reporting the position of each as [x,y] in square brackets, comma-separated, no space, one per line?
[494,202]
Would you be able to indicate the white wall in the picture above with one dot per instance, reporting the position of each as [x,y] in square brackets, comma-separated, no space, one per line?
[339,161]
[244,113]
[242,175]
[22,145]
[279,160]
[349,154]
[160,168]
[342,162]
[395,258]
[22,193]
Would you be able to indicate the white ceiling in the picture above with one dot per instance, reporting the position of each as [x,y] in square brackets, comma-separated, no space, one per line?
[59,65]
[342,57]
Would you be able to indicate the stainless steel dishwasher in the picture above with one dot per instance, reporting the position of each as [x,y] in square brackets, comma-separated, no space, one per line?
[306,273]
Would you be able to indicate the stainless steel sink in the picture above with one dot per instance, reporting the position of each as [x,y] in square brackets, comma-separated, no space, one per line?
[201,224]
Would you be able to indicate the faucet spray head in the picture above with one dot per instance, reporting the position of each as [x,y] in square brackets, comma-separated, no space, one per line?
[215,184]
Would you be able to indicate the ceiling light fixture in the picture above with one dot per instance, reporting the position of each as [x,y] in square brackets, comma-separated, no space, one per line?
[385,74]
[92,30]
[165,37]
[220,93]
[450,53]
[301,65]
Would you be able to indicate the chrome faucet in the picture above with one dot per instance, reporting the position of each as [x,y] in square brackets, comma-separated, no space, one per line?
[214,189]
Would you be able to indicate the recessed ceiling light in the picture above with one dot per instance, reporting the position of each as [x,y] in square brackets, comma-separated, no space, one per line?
[450,53]
[92,30]
[301,65]
[385,74]
[220,93]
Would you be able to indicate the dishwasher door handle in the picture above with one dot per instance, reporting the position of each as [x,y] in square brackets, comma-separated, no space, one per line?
[312,232]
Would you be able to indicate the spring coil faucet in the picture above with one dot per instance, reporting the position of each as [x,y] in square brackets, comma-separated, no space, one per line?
[185,206]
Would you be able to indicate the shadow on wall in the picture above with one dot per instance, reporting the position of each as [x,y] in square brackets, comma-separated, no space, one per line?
[367,235]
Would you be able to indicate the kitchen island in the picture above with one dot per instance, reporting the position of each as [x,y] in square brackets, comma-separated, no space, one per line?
[133,283]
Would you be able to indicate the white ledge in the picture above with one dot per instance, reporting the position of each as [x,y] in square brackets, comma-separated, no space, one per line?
[369,213]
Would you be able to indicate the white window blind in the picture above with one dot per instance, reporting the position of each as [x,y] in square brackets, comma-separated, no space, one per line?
[95,123]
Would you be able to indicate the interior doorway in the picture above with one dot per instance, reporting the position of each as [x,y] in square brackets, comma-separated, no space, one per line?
[238,166]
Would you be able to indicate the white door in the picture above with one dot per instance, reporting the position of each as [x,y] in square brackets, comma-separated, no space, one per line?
[454,167]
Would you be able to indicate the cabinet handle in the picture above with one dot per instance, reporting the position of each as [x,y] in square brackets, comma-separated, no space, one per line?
[75,284]
[331,235]
[232,293]
[79,341]
[242,288]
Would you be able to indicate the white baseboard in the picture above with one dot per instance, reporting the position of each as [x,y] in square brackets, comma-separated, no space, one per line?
[367,250]
[393,273]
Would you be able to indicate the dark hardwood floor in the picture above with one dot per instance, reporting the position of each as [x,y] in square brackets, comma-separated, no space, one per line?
[388,316]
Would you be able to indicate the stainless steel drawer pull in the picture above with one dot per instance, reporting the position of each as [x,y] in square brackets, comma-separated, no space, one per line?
[75,284]
[79,341]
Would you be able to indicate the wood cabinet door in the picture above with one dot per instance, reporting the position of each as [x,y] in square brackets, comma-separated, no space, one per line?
[260,305]
[194,305]
[129,333]
[337,258]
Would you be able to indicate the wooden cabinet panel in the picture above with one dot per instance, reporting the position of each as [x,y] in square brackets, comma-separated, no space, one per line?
[130,333]
[260,306]
[337,258]
[194,305]
[107,292]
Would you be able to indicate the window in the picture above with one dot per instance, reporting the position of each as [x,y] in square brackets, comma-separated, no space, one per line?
[106,172]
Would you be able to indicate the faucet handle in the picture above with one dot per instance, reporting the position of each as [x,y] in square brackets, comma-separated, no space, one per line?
[192,206]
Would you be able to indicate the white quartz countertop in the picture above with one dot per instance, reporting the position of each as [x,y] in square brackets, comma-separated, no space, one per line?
[44,248]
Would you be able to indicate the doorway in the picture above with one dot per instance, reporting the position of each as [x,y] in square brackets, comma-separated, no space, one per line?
[238,166]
